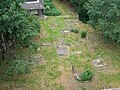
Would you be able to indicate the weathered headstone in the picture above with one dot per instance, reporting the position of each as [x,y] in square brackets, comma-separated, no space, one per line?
[46,44]
[62,50]
[100,65]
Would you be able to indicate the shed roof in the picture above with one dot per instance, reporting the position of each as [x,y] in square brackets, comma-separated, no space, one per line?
[33,5]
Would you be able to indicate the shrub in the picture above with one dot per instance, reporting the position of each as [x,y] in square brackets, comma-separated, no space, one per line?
[75,31]
[104,15]
[87,75]
[83,34]
[52,12]
[47,8]
[18,67]
[82,11]
[17,26]
[50,9]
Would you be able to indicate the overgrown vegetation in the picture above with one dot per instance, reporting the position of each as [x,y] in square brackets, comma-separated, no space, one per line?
[105,16]
[51,74]
[82,11]
[83,34]
[18,66]
[102,15]
[17,26]
[50,9]
[87,75]
[75,31]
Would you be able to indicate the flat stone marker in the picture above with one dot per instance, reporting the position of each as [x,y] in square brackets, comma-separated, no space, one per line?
[37,59]
[65,32]
[77,52]
[46,44]
[100,65]
[62,50]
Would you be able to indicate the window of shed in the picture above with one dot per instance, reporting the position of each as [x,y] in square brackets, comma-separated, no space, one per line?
[35,12]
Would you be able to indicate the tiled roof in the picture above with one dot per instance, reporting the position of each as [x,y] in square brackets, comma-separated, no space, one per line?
[33,5]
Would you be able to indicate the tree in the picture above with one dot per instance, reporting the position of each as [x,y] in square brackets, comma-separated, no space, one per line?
[82,11]
[17,26]
[105,16]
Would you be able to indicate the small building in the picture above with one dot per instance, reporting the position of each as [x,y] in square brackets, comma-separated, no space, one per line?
[35,7]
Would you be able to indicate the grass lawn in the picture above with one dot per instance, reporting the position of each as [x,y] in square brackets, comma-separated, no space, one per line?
[56,73]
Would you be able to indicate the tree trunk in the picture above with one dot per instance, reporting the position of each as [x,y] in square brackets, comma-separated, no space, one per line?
[4,49]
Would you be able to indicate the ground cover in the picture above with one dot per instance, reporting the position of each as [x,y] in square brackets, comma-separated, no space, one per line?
[56,72]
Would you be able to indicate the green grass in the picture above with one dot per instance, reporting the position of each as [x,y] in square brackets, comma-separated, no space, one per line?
[47,75]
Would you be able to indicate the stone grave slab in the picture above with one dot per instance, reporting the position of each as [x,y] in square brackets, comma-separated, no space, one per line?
[100,65]
[46,44]
[65,32]
[37,59]
[62,50]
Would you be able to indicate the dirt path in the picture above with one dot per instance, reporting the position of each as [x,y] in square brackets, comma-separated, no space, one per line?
[89,46]
[67,79]
[65,8]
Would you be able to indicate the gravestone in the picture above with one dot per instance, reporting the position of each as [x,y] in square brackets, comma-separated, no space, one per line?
[37,59]
[100,65]
[62,50]
[46,44]
[65,32]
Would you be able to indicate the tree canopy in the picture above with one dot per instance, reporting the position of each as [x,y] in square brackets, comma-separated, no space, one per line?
[82,11]
[105,16]
[17,26]
[102,15]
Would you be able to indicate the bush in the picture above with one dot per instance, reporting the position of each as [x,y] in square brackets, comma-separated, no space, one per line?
[83,34]
[18,67]
[50,9]
[75,31]
[47,8]
[82,11]
[52,12]
[17,26]
[104,15]
[87,75]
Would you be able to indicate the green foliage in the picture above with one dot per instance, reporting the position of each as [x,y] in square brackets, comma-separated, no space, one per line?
[105,16]
[82,11]
[75,31]
[18,67]
[102,15]
[52,12]
[47,8]
[50,9]
[16,25]
[87,75]
[83,34]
